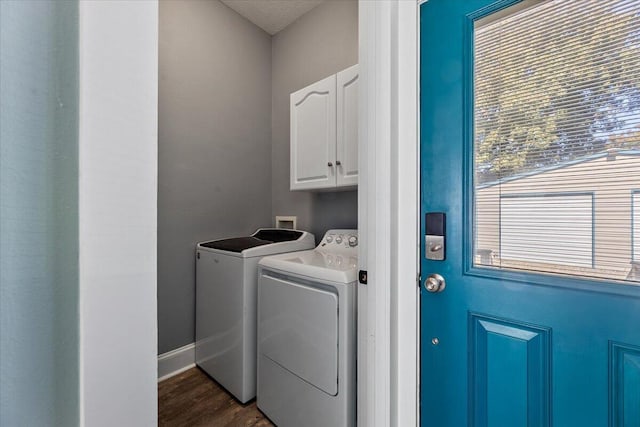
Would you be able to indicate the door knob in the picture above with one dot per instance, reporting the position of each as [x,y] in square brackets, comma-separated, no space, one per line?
[434,283]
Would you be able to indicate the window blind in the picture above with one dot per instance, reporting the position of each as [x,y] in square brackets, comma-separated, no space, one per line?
[557,138]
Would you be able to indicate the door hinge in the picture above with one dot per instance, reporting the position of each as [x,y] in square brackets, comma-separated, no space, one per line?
[362,276]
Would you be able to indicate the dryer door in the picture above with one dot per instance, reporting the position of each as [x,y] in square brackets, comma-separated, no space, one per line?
[298,329]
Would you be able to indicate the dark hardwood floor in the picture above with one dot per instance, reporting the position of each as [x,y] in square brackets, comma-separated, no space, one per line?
[194,399]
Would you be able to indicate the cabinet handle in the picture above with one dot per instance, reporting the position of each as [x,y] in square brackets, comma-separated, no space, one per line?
[330,164]
[338,163]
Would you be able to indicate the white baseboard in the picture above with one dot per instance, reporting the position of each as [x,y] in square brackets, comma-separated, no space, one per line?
[176,361]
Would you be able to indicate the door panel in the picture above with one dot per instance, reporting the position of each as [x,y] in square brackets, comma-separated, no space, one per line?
[347,134]
[509,369]
[503,346]
[625,385]
[313,135]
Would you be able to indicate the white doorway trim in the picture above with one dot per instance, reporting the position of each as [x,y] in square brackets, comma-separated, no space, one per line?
[117,187]
[388,311]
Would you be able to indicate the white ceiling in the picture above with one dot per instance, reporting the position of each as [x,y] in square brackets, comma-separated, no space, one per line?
[272,15]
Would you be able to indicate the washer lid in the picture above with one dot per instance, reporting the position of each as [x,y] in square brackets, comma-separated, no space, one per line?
[316,264]
[263,242]
[277,234]
[236,244]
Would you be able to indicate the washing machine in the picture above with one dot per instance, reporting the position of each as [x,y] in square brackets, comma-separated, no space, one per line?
[226,304]
[307,334]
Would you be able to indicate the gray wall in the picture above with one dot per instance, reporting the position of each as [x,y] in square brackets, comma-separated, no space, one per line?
[320,43]
[214,145]
[39,294]
[224,135]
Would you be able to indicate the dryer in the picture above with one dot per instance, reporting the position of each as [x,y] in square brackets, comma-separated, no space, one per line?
[226,304]
[307,334]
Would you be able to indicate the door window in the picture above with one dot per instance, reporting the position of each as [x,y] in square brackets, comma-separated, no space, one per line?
[556,113]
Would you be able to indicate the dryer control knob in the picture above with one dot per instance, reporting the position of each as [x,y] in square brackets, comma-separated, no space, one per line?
[339,239]
[353,241]
[329,238]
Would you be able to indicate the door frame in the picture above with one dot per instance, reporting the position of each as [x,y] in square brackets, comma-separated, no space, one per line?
[388,339]
[388,215]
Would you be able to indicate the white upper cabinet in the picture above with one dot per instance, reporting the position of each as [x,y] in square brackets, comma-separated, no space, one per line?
[324,133]
[313,136]
[347,127]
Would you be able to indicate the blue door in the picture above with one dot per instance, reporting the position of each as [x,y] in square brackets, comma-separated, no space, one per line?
[528,191]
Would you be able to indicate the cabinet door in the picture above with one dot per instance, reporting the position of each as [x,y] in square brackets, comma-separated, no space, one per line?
[347,127]
[313,136]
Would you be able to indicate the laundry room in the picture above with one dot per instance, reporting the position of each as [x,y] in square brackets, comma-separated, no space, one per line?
[257,211]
